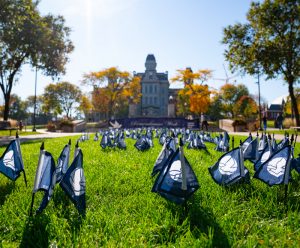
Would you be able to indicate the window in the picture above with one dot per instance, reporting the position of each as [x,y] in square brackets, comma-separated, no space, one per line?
[155,100]
[150,100]
[155,88]
[146,100]
[146,89]
[150,89]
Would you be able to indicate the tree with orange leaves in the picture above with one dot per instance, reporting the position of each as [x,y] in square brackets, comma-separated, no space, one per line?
[195,96]
[112,88]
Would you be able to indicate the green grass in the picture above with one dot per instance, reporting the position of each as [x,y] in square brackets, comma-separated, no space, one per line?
[13,133]
[122,211]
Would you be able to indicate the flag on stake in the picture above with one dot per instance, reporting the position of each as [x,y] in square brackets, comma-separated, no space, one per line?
[177,181]
[11,161]
[250,150]
[45,178]
[73,183]
[230,168]
[63,162]
[276,170]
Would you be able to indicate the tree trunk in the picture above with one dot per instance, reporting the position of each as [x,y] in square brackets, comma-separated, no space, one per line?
[6,107]
[294,102]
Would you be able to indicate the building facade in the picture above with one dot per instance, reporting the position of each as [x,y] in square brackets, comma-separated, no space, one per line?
[155,91]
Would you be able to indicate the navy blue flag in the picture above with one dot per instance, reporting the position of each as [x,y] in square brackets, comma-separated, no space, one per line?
[196,143]
[45,178]
[295,164]
[284,142]
[96,137]
[230,168]
[73,183]
[11,162]
[263,142]
[276,170]
[250,150]
[166,151]
[263,155]
[63,163]
[121,141]
[246,142]
[106,141]
[223,143]
[142,144]
[177,181]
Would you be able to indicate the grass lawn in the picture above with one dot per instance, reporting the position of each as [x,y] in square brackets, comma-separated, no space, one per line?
[13,133]
[122,211]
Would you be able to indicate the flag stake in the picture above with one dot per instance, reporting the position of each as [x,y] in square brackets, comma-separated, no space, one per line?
[31,206]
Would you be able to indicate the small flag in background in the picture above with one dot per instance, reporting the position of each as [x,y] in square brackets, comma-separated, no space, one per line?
[106,141]
[177,181]
[230,168]
[96,137]
[223,143]
[63,162]
[11,162]
[45,178]
[276,170]
[263,155]
[73,183]
[250,150]
[142,144]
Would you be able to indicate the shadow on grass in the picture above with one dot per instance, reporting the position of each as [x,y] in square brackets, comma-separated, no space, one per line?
[5,190]
[35,233]
[203,221]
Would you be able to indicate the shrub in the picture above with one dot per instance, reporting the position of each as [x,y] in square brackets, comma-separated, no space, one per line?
[51,127]
[288,122]
[239,123]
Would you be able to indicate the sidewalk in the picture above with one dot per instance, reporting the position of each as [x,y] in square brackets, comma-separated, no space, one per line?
[43,134]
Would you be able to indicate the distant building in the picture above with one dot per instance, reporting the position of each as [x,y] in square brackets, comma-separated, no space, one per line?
[155,91]
[274,110]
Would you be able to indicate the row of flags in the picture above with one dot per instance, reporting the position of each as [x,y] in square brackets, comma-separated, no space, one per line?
[48,174]
[272,162]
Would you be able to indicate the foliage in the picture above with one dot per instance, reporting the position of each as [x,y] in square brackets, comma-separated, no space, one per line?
[28,37]
[113,89]
[123,212]
[246,107]
[288,104]
[215,110]
[268,43]
[61,98]
[30,104]
[230,95]
[85,104]
[18,108]
[51,126]
[239,122]
[193,96]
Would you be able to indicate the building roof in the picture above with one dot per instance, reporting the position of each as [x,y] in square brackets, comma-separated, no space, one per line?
[275,107]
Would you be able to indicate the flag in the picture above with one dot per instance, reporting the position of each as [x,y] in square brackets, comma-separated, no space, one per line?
[223,143]
[73,183]
[250,150]
[96,137]
[166,151]
[230,168]
[45,178]
[142,144]
[106,141]
[63,162]
[276,170]
[121,141]
[263,142]
[246,142]
[11,162]
[263,155]
[177,181]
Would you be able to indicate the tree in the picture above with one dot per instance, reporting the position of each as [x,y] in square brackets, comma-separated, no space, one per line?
[115,87]
[18,108]
[246,107]
[194,96]
[288,105]
[230,94]
[28,37]
[85,105]
[61,97]
[268,43]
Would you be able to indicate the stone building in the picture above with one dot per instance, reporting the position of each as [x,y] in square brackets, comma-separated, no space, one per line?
[155,92]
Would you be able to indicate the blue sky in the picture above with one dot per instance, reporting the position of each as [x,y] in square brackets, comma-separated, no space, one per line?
[180,33]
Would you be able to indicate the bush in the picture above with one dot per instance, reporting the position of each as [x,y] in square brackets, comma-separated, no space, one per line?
[65,123]
[239,123]
[288,122]
[51,127]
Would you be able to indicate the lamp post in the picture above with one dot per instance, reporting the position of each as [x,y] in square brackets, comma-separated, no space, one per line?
[34,107]
[259,108]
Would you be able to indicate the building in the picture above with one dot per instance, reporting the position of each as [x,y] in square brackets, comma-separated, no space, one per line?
[155,91]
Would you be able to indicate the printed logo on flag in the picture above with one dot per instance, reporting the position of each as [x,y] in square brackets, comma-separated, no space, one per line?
[265,156]
[227,165]
[276,166]
[77,182]
[8,160]
[175,171]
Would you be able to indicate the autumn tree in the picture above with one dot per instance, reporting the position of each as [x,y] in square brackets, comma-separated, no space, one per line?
[17,110]
[113,89]
[268,43]
[246,107]
[195,96]
[61,98]
[85,105]
[230,94]
[26,37]
[288,105]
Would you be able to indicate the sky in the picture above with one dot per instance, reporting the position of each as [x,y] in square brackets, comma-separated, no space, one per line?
[180,34]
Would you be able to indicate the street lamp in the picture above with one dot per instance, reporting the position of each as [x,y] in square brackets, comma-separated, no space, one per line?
[259,108]
[34,107]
